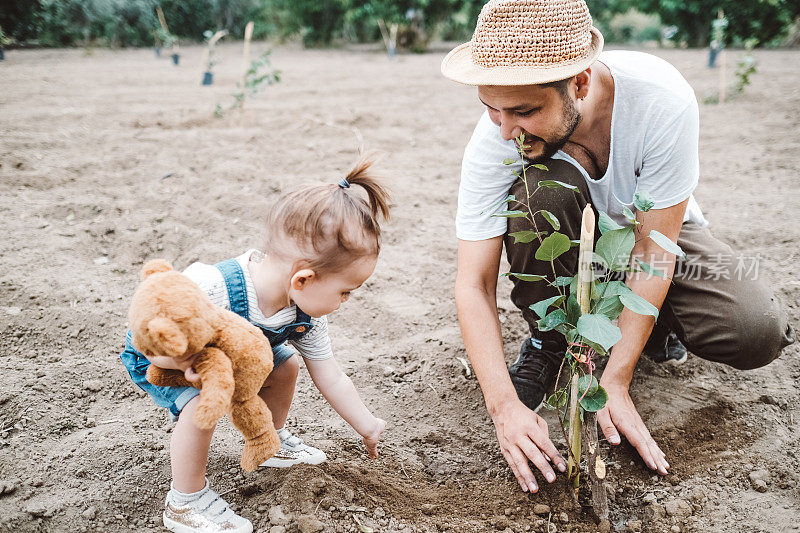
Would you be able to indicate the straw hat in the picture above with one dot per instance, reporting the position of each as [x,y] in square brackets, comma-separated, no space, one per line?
[526,42]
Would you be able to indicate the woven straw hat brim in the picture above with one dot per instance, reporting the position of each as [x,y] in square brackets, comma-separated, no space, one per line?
[459,67]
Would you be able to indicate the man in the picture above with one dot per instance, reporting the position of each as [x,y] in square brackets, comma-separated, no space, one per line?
[612,124]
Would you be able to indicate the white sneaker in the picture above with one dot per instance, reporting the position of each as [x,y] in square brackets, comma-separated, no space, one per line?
[209,513]
[293,451]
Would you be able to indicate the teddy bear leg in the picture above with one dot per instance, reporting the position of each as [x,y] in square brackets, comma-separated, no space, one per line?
[216,375]
[253,419]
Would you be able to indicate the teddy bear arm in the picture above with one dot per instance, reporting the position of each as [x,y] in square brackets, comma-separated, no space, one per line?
[216,375]
[163,377]
[251,356]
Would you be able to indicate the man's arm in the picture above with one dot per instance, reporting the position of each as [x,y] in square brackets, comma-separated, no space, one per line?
[620,412]
[522,434]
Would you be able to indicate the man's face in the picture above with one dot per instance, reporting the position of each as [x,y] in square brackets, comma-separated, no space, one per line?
[545,115]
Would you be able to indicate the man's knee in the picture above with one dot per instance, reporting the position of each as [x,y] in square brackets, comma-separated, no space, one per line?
[755,340]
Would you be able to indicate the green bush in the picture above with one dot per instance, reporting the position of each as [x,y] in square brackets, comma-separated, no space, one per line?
[633,27]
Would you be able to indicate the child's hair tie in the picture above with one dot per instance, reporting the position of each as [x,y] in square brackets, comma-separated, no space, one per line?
[344,184]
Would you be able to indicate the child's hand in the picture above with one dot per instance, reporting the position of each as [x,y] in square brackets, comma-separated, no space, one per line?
[371,440]
[177,363]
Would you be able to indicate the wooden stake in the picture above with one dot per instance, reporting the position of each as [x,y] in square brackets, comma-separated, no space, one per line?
[574,459]
[248,35]
[594,463]
[211,44]
[585,259]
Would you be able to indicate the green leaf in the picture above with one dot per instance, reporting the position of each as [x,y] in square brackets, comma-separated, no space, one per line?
[540,167]
[600,260]
[540,307]
[509,161]
[615,247]
[562,281]
[629,215]
[611,306]
[526,236]
[650,269]
[574,242]
[606,223]
[637,304]
[599,329]
[551,218]
[573,309]
[505,200]
[643,201]
[667,243]
[612,288]
[510,214]
[557,399]
[552,320]
[525,277]
[587,381]
[596,401]
[555,184]
[552,246]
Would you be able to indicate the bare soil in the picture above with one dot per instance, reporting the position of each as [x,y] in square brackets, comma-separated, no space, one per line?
[113,157]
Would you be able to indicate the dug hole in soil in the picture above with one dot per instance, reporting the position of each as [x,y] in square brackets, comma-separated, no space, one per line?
[125,162]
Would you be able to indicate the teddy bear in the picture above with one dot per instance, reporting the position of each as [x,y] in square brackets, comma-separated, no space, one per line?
[171,316]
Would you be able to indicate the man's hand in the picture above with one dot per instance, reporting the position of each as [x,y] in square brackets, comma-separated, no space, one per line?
[620,416]
[523,437]
[371,440]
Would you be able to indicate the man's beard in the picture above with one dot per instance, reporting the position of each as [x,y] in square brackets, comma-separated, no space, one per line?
[571,120]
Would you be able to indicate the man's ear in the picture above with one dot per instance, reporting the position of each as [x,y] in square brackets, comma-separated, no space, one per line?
[301,278]
[582,82]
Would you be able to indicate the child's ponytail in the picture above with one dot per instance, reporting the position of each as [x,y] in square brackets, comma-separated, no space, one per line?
[377,194]
[331,225]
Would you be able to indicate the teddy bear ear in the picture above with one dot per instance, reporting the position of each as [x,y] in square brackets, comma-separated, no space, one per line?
[154,266]
[167,336]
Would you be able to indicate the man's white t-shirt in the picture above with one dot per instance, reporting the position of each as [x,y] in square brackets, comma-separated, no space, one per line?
[654,148]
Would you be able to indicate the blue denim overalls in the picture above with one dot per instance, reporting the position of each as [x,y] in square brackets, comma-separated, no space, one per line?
[175,398]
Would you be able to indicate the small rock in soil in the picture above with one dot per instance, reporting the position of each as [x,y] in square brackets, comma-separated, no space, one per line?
[655,511]
[277,529]
[634,526]
[541,509]
[276,516]
[678,508]
[759,480]
[318,485]
[310,524]
[428,508]
[7,486]
[93,385]
[90,513]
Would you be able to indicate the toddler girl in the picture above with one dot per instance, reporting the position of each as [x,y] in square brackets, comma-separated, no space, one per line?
[323,244]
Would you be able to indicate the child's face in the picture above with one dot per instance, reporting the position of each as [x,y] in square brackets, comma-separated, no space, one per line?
[321,295]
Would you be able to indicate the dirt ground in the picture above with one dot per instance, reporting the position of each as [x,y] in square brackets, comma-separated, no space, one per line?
[113,157]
